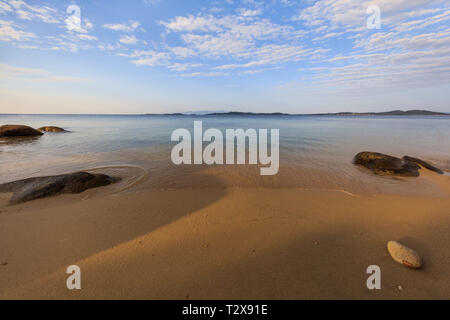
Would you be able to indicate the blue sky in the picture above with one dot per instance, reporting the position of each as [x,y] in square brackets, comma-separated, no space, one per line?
[155,56]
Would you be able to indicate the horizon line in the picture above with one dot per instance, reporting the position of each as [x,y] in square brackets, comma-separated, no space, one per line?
[218,113]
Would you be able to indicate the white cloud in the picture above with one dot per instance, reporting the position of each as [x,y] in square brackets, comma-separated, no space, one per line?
[191,23]
[327,36]
[29,12]
[88,24]
[124,27]
[245,37]
[31,74]
[248,12]
[235,36]
[403,54]
[183,66]
[108,47]
[217,45]
[149,58]
[128,40]
[87,37]
[204,74]
[347,14]
[182,52]
[8,70]
[420,61]
[252,71]
[389,41]
[4,7]
[252,28]
[273,54]
[10,32]
[423,23]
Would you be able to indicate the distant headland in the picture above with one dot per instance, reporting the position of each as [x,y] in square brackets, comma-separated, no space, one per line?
[235,113]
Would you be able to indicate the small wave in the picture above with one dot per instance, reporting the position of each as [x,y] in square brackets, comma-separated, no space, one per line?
[127,181]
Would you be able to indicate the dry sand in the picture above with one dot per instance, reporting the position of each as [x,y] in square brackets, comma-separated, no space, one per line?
[225,243]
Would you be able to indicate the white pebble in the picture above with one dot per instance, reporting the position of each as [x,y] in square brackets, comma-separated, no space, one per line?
[404,255]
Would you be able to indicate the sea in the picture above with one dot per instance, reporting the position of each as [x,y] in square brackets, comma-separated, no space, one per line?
[316,152]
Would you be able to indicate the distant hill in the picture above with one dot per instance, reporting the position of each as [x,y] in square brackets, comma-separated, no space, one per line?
[235,113]
[386,113]
[203,112]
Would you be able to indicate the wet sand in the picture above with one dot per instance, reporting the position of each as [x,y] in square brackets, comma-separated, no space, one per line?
[225,243]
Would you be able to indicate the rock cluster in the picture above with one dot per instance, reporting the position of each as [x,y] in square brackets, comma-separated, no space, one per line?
[380,163]
[18,130]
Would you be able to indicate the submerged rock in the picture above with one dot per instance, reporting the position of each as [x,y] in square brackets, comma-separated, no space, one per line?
[423,164]
[16,130]
[384,164]
[404,255]
[51,129]
[41,187]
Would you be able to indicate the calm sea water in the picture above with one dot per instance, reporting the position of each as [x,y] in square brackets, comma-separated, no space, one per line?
[315,151]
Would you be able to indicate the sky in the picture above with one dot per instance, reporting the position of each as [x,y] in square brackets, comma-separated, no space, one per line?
[164,56]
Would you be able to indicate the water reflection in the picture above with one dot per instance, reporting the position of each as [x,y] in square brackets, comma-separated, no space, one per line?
[19,140]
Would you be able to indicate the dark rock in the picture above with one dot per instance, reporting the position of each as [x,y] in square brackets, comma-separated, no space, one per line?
[384,164]
[423,164]
[12,130]
[40,187]
[51,129]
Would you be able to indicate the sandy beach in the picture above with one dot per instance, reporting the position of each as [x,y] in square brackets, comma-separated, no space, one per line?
[225,243]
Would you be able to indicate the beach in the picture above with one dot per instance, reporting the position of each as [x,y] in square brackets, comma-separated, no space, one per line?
[191,151]
[225,243]
[167,231]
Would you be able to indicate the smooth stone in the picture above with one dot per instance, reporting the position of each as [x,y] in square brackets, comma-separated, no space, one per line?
[51,129]
[41,187]
[423,164]
[404,255]
[17,130]
[385,164]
